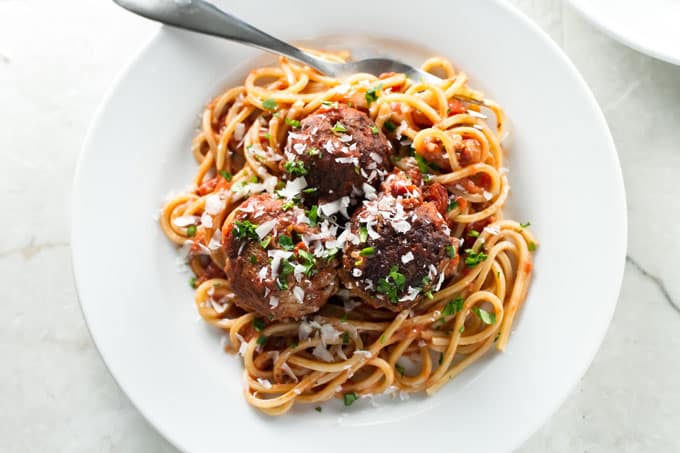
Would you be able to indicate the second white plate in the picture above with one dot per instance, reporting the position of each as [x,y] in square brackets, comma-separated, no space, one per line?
[651,26]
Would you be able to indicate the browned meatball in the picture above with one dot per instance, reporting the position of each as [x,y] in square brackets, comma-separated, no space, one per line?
[404,250]
[276,262]
[337,150]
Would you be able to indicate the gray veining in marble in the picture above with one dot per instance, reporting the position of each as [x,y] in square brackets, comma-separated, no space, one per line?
[55,392]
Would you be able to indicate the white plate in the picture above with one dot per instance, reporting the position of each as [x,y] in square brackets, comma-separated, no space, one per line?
[649,26]
[565,178]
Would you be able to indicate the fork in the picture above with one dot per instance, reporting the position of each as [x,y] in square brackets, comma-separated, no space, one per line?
[204,17]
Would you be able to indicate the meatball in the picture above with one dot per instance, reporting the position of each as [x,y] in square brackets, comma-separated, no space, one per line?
[404,250]
[338,151]
[276,262]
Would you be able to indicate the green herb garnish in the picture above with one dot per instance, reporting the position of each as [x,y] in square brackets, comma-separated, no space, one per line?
[454,306]
[264,243]
[313,215]
[244,229]
[390,126]
[192,282]
[392,284]
[191,231]
[450,251]
[485,316]
[261,340]
[525,225]
[453,204]
[309,261]
[269,104]
[363,232]
[295,167]
[226,175]
[339,127]
[474,258]
[367,251]
[532,246]
[350,398]
[288,204]
[293,123]
[259,324]
[375,130]
[286,242]
[372,93]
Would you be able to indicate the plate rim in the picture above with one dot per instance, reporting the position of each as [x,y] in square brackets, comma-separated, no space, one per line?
[617,181]
[577,6]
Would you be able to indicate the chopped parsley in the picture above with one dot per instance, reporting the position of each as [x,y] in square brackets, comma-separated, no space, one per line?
[525,225]
[226,175]
[244,229]
[317,408]
[293,123]
[191,231]
[473,233]
[383,339]
[286,269]
[295,167]
[343,318]
[261,340]
[367,251]
[400,369]
[329,103]
[288,204]
[392,284]
[390,126]
[441,357]
[313,152]
[423,165]
[330,253]
[339,127]
[454,306]
[375,130]
[268,136]
[253,259]
[192,282]
[345,338]
[363,232]
[270,104]
[462,329]
[313,215]
[532,246]
[372,93]
[357,170]
[286,242]
[309,190]
[453,204]
[309,261]
[264,243]
[259,324]
[450,251]
[350,398]
[485,316]
[474,258]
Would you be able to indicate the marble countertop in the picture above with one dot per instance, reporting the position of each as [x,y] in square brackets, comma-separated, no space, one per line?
[57,60]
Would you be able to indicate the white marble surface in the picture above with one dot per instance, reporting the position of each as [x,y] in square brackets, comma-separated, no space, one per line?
[56,61]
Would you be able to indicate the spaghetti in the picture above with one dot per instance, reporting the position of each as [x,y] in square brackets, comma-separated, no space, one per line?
[347,348]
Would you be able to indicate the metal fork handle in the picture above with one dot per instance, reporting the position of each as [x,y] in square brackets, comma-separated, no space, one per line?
[206,18]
